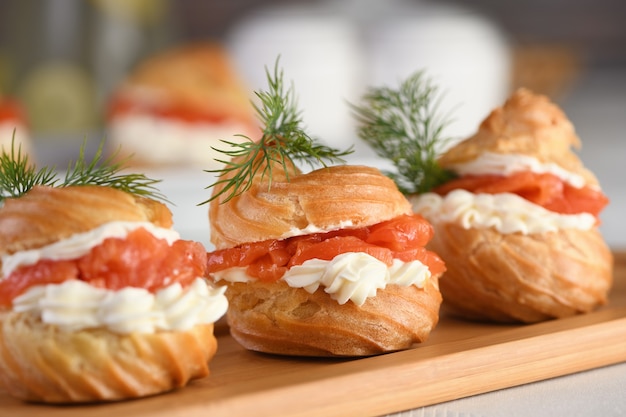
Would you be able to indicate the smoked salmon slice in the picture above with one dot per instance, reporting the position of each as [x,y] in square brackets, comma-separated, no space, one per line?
[140,260]
[403,238]
[545,190]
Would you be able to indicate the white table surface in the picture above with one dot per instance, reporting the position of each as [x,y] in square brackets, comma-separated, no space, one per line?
[594,393]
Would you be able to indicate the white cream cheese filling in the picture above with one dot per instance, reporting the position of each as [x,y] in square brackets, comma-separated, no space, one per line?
[311,228]
[10,128]
[170,141]
[353,276]
[75,305]
[508,164]
[506,212]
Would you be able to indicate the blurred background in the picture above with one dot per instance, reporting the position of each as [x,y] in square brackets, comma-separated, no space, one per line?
[62,60]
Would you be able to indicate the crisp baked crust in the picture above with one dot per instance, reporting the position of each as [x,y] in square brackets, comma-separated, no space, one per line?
[41,363]
[275,318]
[328,198]
[48,214]
[527,124]
[522,278]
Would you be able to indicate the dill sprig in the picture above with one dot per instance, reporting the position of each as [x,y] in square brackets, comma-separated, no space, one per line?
[107,173]
[401,125]
[283,141]
[18,175]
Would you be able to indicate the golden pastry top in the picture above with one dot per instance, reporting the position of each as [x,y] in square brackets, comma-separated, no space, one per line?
[324,199]
[528,124]
[48,214]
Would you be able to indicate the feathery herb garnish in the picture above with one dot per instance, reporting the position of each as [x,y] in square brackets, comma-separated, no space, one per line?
[283,141]
[18,175]
[107,173]
[401,125]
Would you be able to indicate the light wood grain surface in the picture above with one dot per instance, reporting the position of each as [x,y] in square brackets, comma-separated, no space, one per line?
[460,359]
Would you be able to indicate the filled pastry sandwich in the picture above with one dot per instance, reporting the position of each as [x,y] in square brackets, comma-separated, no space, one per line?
[100,299]
[174,106]
[516,219]
[326,263]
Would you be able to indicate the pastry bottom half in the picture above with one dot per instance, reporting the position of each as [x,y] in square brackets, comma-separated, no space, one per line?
[275,318]
[522,278]
[41,363]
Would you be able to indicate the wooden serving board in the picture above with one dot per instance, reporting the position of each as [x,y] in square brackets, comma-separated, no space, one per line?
[460,359]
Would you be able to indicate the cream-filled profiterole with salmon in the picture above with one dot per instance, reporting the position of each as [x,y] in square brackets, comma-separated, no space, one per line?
[515,214]
[175,105]
[325,263]
[100,299]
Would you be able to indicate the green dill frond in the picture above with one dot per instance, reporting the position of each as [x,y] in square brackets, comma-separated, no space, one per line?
[18,175]
[107,173]
[283,141]
[402,126]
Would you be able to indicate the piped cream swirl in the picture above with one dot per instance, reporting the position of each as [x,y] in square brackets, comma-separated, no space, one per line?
[506,212]
[350,276]
[76,305]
